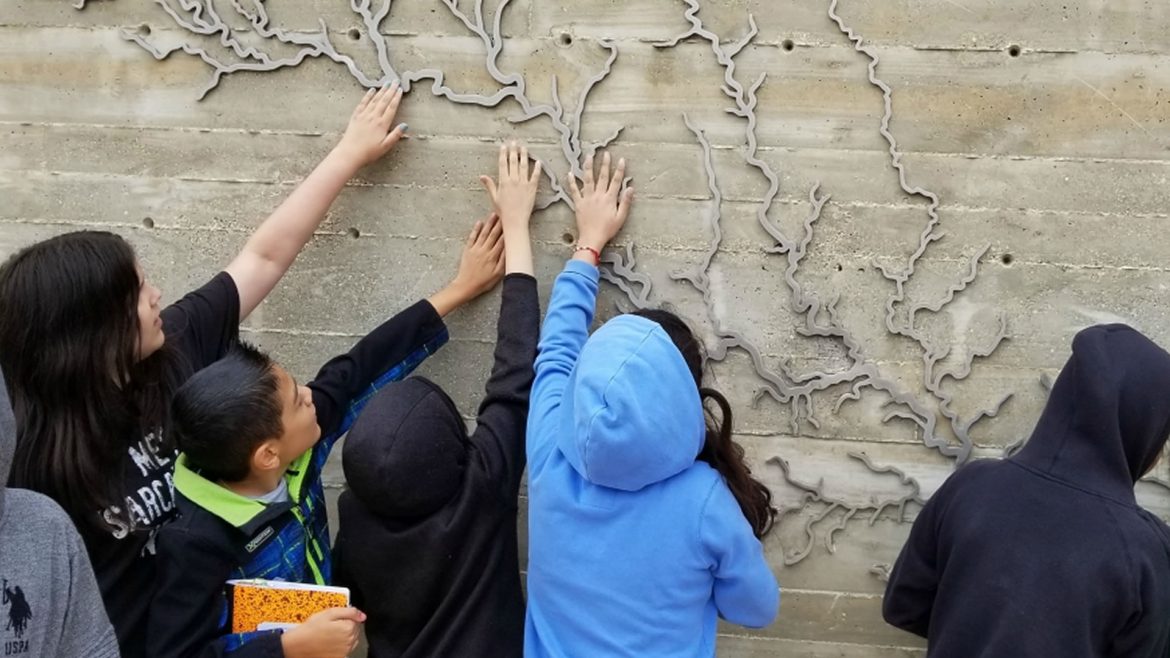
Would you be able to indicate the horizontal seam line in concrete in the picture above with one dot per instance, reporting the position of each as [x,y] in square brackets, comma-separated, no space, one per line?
[839,438]
[643,246]
[805,42]
[849,438]
[344,334]
[856,595]
[827,643]
[866,439]
[785,199]
[788,199]
[983,365]
[619,143]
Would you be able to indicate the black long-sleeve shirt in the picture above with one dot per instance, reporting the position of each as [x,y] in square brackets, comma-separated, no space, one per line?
[427,541]
[220,535]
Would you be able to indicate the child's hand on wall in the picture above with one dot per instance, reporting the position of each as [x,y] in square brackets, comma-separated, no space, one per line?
[513,199]
[482,264]
[602,208]
[330,633]
[274,246]
[515,195]
[480,268]
[368,136]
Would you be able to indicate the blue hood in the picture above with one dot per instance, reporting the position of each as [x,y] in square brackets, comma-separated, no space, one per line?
[633,407]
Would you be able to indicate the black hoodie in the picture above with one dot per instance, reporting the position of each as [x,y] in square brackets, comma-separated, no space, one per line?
[427,538]
[1048,554]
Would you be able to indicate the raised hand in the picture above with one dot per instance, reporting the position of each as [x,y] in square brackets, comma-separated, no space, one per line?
[513,198]
[602,208]
[369,136]
[481,267]
[515,195]
[275,244]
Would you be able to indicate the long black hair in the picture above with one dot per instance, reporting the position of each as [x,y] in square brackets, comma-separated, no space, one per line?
[69,333]
[720,450]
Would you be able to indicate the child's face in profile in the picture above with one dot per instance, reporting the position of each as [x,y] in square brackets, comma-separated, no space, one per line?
[299,418]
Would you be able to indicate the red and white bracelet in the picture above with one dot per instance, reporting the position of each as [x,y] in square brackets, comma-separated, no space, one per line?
[596,254]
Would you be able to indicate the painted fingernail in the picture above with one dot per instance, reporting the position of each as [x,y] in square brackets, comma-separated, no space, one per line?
[402,127]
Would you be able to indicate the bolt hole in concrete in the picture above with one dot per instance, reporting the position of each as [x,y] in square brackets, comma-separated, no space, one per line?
[568,238]
[1007,259]
[1014,51]
[144,30]
[354,34]
[788,45]
[565,39]
[353,232]
[147,222]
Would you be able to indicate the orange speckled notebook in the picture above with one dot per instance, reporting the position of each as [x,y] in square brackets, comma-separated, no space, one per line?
[265,604]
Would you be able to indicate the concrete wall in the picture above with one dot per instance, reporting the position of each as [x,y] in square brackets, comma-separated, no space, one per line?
[1040,126]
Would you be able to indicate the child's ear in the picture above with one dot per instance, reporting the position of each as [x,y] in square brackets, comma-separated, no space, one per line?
[266,457]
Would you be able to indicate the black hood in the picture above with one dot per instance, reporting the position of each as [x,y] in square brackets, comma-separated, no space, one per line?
[1108,416]
[405,455]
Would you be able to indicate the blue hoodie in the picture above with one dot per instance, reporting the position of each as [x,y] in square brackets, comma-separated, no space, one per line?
[635,548]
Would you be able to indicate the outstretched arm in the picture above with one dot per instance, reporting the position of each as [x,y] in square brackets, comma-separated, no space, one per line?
[602,209]
[513,198]
[396,347]
[503,414]
[481,267]
[274,246]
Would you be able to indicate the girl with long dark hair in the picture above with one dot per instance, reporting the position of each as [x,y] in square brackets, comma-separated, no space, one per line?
[644,518]
[92,360]
[720,450]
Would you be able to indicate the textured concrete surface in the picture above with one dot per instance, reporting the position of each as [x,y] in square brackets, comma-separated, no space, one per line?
[1040,126]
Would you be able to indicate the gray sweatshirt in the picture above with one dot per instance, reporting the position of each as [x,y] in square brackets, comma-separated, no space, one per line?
[50,606]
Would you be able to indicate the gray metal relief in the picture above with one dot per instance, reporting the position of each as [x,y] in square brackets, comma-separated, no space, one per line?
[821,515]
